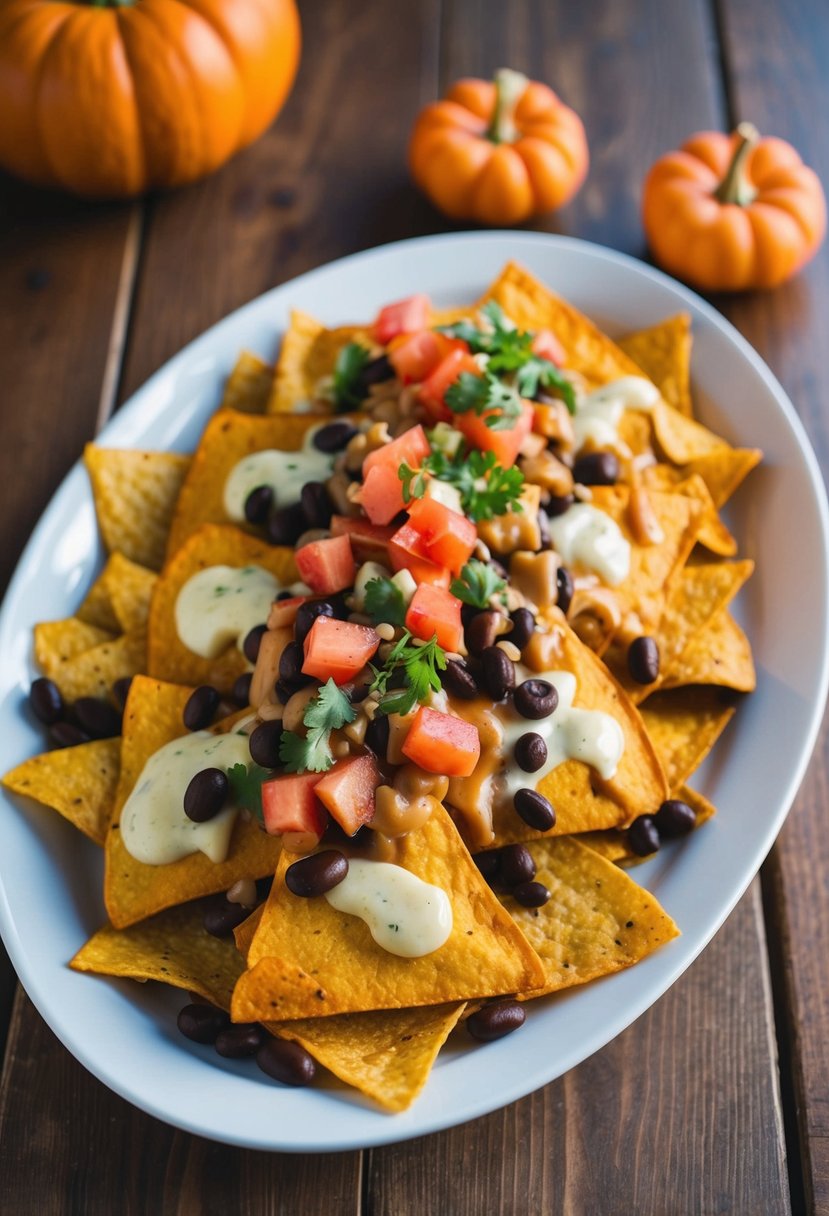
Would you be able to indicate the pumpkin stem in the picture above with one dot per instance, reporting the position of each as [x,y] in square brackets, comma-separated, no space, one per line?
[509,87]
[734,188]
[110,3]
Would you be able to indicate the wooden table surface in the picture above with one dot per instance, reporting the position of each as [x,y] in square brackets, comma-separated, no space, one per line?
[717,1100]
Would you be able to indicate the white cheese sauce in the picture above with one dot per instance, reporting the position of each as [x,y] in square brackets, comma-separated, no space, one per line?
[589,735]
[599,413]
[404,914]
[220,605]
[587,535]
[154,827]
[284,472]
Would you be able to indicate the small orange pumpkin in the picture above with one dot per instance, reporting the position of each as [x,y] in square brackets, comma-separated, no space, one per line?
[108,98]
[733,212]
[498,152]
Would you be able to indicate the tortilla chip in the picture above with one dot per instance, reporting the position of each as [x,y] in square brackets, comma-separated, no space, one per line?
[723,470]
[598,920]
[127,588]
[77,782]
[387,1055]
[93,672]
[308,354]
[613,844]
[227,439]
[173,948]
[663,352]
[58,642]
[134,890]
[309,960]
[720,654]
[248,386]
[682,439]
[97,609]
[683,725]
[135,493]
[211,545]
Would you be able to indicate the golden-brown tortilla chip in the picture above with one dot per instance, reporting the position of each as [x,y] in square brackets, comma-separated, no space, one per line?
[93,672]
[613,844]
[135,493]
[77,782]
[683,725]
[58,642]
[663,352]
[307,356]
[248,386]
[720,654]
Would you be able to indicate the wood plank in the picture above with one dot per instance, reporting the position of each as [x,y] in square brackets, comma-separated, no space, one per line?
[776,55]
[674,1116]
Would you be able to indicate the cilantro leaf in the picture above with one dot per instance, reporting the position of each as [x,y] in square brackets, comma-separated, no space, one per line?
[414,483]
[416,666]
[246,786]
[349,392]
[383,602]
[328,710]
[482,394]
[486,488]
[477,584]
[538,372]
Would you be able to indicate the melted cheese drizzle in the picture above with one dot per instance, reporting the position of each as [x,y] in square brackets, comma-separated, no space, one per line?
[284,472]
[587,535]
[599,413]
[404,914]
[154,827]
[220,605]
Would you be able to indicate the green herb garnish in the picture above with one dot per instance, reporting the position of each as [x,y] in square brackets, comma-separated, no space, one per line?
[349,392]
[383,602]
[415,665]
[477,584]
[482,394]
[246,786]
[328,710]
[486,488]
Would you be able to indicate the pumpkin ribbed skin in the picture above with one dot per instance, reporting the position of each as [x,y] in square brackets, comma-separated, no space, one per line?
[109,102]
[468,175]
[722,245]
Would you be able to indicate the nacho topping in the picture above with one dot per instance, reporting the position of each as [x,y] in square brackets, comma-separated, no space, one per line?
[218,607]
[587,535]
[154,827]
[284,473]
[599,413]
[405,915]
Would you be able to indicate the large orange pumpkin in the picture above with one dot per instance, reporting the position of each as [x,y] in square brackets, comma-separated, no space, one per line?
[728,212]
[108,100]
[498,152]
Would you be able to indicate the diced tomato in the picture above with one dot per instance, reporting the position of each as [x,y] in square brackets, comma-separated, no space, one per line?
[415,356]
[289,804]
[433,389]
[411,448]
[505,444]
[434,610]
[368,541]
[402,317]
[547,346]
[407,552]
[381,494]
[337,649]
[283,612]
[448,537]
[327,566]
[442,743]
[347,790]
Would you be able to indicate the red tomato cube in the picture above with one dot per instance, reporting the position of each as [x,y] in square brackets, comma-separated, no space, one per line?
[402,317]
[433,389]
[411,448]
[448,537]
[347,791]
[433,610]
[407,552]
[505,444]
[337,650]
[442,743]
[289,804]
[327,566]
[369,542]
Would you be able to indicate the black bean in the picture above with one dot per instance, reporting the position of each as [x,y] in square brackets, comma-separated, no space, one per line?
[121,690]
[482,631]
[285,594]
[200,707]
[316,874]
[516,865]
[241,689]
[307,614]
[66,734]
[558,504]
[339,607]
[222,917]
[566,587]
[316,503]
[643,836]
[643,660]
[377,735]
[97,718]
[534,809]
[243,1039]
[498,673]
[252,642]
[286,1062]
[495,1020]
[597,469]
[45,700]
[202,1023]
[530,752]
[334,436]
[205,795]
[675,818]
[264,744]
[376,371]
[358,694]
[290,664]
[489,863]
[258,504]
[523,627]
[284,691]
[286,525]
[535,698]
[545,539]
[459,681]
[531,894]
